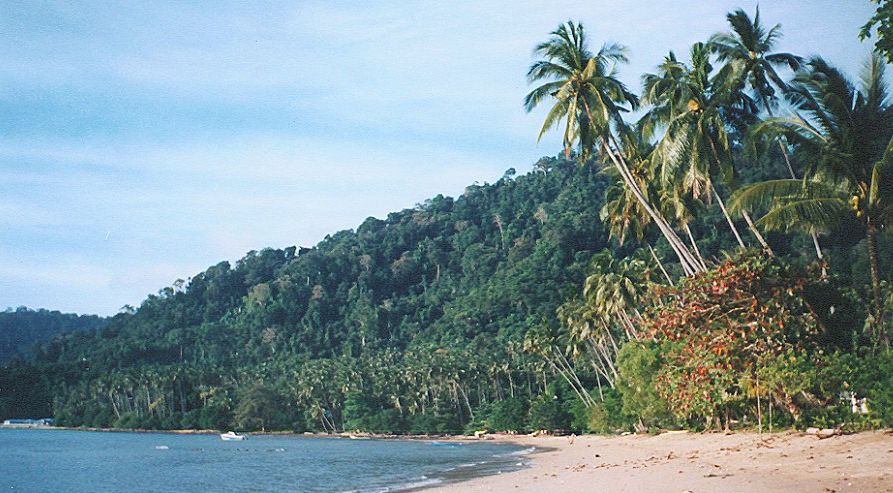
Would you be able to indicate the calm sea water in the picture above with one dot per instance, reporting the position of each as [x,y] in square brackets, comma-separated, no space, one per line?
[75,461]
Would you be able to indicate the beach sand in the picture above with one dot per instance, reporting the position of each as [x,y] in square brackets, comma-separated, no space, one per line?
[680,462]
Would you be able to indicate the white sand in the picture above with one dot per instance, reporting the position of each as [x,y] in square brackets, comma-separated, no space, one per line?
[698,463]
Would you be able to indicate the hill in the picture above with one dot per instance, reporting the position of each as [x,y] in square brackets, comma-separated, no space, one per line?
[407,323]
[22,328]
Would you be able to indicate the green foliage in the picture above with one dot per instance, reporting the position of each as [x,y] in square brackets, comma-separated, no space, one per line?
[608,415]
[364,413]
[508,415]
[419,313]
[639,365]
[261,408]
[21,329]
[869,376]
[550,411]
[24,392]
[883,21]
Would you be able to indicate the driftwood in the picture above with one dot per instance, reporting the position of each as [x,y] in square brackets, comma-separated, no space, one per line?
[823,432]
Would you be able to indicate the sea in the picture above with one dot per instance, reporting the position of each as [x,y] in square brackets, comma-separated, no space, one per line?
[53,460]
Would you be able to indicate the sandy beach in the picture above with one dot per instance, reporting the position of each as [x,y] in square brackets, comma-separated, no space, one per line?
[698,463]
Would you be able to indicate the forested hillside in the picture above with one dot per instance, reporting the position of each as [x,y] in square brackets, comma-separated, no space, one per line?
[22,328]
[422,313]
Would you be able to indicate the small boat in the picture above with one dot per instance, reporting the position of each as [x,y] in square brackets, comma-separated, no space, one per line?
[231,435]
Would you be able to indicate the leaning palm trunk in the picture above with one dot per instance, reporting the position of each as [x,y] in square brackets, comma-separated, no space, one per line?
[880,334]
[815,237]
[563,367]
[694,246]
[660,264]
[756,232]
[744,213]
[722,207]
[688,261]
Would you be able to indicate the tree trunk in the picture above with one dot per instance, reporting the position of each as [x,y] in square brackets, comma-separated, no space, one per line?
[660,265]
[756,232]
[694,246]
[689,265]
[744,213]
[815,237]
[722,207]
[759,403]
[880,334]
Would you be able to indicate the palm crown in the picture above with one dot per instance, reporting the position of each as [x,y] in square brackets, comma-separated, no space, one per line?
[748,46]
[588,96]
[844,133]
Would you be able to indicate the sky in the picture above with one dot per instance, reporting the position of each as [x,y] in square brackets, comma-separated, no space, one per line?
[143,142]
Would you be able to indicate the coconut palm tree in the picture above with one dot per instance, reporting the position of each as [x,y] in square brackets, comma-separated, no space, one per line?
[615,289]
[588,96]
[748,47]
[622,212]
[588,103]
[551,343]
[693,107]
[846,134]
[747,52]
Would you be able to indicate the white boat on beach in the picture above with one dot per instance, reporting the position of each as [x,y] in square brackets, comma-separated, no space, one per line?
[231,435]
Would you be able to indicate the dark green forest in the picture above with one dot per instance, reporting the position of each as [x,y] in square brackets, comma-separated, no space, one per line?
[22,328]
[720,259]
[415,321]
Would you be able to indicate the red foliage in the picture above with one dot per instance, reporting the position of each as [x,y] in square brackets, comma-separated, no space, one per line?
[714,327]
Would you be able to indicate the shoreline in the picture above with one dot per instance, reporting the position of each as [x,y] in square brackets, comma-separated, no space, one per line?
[677,461]
[344,435]
[696,462]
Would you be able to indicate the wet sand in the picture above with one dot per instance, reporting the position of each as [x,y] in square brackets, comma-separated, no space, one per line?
[697,463]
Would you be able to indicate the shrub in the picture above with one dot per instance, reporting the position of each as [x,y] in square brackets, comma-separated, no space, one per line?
[607,415]
[508,415]
[547,412]
[868,376]
[713,328]
[422,423]
[638,365]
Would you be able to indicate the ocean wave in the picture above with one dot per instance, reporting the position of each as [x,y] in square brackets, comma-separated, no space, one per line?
[526,451]
[413,484]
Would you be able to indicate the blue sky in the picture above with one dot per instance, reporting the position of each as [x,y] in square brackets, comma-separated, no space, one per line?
[142,142]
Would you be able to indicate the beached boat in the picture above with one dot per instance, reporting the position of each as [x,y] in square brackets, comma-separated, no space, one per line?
[231,435]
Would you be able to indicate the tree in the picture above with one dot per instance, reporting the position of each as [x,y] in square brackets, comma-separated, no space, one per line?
[694,108]
[589,100]
[746,51]
[260,407]
[883,19]
[845,133]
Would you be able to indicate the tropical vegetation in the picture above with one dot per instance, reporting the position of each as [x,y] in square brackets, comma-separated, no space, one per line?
[713,253]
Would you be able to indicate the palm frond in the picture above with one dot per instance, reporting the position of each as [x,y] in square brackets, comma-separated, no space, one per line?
[763,195]
[812,215]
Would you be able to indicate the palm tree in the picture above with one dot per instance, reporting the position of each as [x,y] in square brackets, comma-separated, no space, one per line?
[591,336]
[588,96]
[615,289]
[746,52]
[694,108]
[847,138]
[588,103]
[622,212]
[748,47]
[550,342]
